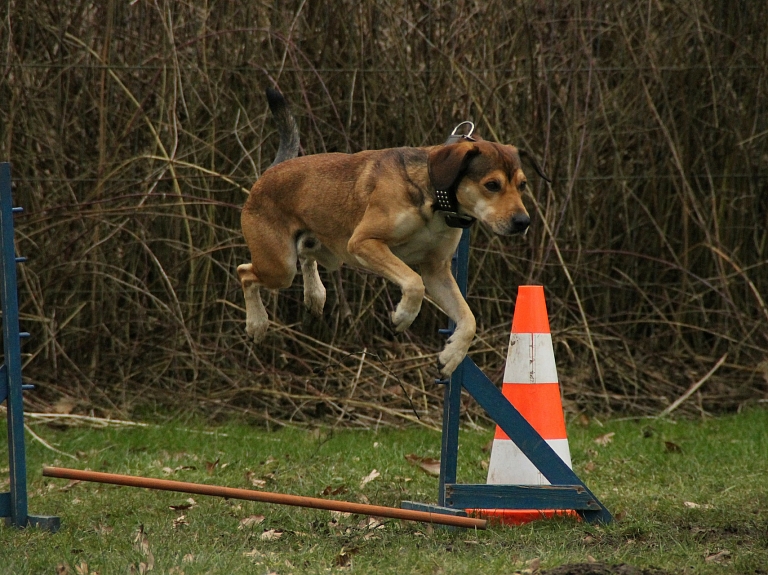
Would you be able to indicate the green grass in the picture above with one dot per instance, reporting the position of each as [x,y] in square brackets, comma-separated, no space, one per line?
[645,475]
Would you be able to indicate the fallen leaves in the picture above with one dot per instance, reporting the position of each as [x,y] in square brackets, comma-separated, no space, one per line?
[429,465]
[532,566]
[334,491]
[250,521]
[719,557]
[102,529]
[190,503]
[70,485]
[271,535]
[672,447]
[260,482]
[255,481]
[368,478]
[344,558]
[365,530]
[692,505]
[370,526]
[82,568]
[141,544]
[171,470]
[210,466]
[605,439]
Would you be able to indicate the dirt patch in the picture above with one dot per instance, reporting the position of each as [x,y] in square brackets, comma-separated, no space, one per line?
[601,569]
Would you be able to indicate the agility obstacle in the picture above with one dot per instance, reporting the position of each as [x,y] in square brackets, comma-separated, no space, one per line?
[13,503]
[565,492]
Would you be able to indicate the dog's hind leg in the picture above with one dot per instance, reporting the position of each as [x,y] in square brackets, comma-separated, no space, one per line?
[256,320]
[273,266]
[307,248]
[314,290]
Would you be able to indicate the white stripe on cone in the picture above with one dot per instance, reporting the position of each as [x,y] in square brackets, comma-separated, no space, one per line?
[510,467]
[530,360]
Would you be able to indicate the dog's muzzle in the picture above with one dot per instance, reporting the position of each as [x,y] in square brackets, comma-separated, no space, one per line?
[519,223]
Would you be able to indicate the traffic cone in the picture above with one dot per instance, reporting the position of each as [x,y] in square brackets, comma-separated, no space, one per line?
[532,386]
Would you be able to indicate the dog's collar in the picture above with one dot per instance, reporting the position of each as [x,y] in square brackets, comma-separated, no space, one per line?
[449,206]
[447,203]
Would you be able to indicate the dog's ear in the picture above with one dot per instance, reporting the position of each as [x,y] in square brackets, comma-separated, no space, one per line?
[532,160]
[446,163]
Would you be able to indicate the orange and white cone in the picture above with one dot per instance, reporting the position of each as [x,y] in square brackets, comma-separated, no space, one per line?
[532,386]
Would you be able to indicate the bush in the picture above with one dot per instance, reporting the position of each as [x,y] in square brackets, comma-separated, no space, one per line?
[135,130]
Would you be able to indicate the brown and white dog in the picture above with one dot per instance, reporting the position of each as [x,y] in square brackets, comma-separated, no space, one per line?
[377,210]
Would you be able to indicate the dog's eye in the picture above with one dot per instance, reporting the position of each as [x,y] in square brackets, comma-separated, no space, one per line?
[493,186]
[521,185]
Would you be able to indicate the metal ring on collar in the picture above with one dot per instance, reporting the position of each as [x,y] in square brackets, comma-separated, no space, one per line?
[468,136]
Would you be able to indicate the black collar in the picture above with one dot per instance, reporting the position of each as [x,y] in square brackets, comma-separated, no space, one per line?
[446,199]
[449,205]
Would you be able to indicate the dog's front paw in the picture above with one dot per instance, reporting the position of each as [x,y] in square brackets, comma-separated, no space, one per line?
[450,358]
[256,330]
[404,315]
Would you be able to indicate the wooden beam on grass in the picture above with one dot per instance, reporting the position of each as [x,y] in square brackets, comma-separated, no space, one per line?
[265,496]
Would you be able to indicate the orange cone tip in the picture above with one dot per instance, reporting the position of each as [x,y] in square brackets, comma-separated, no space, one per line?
[530,311]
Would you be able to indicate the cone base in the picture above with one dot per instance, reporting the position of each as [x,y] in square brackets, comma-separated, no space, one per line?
[519,516]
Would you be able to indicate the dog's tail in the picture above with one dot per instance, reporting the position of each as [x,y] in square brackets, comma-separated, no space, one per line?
[286,127]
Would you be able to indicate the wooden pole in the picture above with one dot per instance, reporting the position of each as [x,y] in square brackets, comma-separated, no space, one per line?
[265,496]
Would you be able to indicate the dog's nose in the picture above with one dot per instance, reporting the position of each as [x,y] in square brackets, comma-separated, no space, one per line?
[520,223]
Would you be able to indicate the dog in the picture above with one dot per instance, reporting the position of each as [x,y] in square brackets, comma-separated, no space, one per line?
[386,211]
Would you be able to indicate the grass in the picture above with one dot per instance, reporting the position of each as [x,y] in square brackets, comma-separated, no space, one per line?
[689,496]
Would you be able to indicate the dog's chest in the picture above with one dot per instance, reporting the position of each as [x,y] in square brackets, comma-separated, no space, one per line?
[434,241]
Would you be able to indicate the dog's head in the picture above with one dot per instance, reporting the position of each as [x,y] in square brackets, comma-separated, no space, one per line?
[488,179]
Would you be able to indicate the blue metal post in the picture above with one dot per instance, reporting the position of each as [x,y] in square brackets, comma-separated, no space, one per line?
[17,498]
[13,504]
[452,394]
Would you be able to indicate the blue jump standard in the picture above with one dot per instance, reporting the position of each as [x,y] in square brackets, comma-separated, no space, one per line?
[566,492]
[13,503]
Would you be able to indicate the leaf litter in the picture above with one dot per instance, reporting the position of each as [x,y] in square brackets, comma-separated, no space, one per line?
[429,465]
